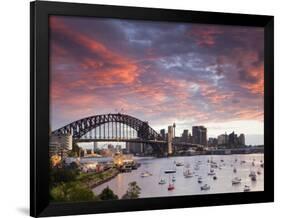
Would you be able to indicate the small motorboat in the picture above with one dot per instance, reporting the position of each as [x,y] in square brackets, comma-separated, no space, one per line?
[205,187]
[162,181]
[215,178]
[146,174]
[259,172]
[252,173]
[179,164]
[214,165]
[234,170]
[254,178]
[170,171]
[261,165]
[199,180]
[236,181]
[171,187]
[188,174]
[222,160]
[174,179]
[212,172]
[247,188]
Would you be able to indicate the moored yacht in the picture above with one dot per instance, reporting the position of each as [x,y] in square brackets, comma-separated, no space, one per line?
[188,174]
[212,172]
[205,187]
[171,187]
[236,181]
[247,188]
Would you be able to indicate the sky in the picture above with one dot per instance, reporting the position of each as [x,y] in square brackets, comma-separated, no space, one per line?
[160,72]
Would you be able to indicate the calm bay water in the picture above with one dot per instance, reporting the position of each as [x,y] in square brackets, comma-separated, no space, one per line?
[189,186]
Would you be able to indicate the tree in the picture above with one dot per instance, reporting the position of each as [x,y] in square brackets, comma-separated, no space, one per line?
[72,192]
[108,194]
[62,175]
[133,191]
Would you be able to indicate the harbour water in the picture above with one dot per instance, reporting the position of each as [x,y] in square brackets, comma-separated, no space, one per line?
[150,186]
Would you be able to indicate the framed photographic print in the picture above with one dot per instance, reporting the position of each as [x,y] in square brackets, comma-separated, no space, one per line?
[142,109]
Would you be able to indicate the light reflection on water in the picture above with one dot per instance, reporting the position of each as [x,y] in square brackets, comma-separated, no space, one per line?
[189,186]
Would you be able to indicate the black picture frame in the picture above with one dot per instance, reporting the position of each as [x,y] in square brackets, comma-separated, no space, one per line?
[39,108]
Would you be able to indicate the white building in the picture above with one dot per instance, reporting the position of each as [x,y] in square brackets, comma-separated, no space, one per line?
[222,139]
[65,141]
[60,145]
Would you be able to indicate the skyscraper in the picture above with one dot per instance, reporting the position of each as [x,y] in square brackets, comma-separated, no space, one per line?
[185,136]
[241,139]
[199,135]
[162,133]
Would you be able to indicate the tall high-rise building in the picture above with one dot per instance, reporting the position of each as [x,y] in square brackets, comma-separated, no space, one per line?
[199,135]
[185,136]
[162,133]
[134,148]
[170,139]
[241,139]
[223,139]
[232,139]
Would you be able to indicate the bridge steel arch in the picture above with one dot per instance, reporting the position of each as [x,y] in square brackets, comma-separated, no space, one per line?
[81,127]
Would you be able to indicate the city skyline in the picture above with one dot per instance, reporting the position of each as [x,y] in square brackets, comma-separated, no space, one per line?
[193,74]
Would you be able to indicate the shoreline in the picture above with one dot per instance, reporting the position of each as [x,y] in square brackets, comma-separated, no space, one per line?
[92,186]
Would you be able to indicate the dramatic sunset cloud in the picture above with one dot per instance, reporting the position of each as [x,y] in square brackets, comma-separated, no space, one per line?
[191,74]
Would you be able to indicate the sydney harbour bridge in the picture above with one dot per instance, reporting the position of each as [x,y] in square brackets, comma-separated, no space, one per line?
[116,127]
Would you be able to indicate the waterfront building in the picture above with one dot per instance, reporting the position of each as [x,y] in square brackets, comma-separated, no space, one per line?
[212,142]
[185,136]
[162,133]
[134,148]
[233,139]
[170,138]
[242,139]
[223,139]
[199,134]
[60,145]
[95,147]
[65,141]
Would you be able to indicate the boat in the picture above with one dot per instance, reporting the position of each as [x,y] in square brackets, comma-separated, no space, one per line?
[205,187]
[254,177]
[146,174]
[236,181]
[242,162]
[174,179]
[162,181]
[247,188]
[212,172]
[214,165]
[258,172]
[171,187]
[261,165]
[179,164]
[188,174]
[253,163]
[252,173]
[215,178]
[199,180]
[170,171]
[234,170]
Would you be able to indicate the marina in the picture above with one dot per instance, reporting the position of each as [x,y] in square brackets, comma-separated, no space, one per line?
[161,177]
